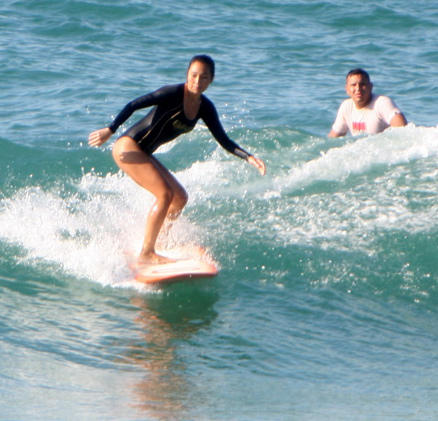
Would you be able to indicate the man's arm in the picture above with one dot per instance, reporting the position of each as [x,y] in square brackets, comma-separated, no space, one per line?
[340,127]
[335,134]
[398,120]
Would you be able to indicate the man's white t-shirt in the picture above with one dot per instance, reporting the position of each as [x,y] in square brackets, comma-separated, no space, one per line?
[374,118]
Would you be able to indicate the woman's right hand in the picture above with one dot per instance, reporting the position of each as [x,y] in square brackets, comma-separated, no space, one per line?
[257,163]
[99,137]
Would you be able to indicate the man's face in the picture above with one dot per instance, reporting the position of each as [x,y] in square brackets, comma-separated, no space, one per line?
[359,89]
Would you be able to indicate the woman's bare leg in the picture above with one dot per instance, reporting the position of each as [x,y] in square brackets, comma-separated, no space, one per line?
[180,196]
[153,176]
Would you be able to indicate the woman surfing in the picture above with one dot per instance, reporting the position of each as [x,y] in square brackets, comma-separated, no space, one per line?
[176,110]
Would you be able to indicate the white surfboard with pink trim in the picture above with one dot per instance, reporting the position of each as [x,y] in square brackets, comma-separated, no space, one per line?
[197,265]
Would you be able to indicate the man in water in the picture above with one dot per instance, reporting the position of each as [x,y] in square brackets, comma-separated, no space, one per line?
[365,112]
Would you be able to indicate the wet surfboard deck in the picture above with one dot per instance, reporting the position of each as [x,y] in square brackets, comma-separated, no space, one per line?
[179,270]
[190,263]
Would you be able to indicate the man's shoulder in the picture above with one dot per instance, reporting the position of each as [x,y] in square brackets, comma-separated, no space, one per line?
[383,101]
[346,105]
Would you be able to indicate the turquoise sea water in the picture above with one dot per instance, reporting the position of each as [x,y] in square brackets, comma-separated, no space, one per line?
[325,307]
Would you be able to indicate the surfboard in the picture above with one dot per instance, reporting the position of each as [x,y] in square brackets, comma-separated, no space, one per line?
[175,271]
[190,262]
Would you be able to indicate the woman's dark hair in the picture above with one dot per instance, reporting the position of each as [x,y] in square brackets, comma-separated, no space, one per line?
[203,58]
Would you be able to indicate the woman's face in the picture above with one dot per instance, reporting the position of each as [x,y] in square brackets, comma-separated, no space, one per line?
[198,77]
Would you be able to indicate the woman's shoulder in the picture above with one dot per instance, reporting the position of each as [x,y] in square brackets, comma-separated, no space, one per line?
[167,94]
[206,103]
[171,89]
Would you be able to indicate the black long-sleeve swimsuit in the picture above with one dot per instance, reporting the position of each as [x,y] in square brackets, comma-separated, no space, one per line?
[167,120]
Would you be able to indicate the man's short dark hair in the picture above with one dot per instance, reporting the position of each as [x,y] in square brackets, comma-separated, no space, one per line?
[359,71]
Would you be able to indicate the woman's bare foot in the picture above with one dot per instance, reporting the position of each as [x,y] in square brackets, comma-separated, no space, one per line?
[153,258]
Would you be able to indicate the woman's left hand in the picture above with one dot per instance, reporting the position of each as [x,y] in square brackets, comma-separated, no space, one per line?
[258,163]
[99,137]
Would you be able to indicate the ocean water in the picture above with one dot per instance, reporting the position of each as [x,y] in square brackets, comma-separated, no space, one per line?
[326,304]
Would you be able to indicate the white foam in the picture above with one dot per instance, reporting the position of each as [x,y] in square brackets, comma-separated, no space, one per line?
[394,146]
[401,196]
[87,228]
[88,233]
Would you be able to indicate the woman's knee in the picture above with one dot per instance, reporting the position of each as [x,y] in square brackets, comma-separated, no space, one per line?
[181,198]
[166,196]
